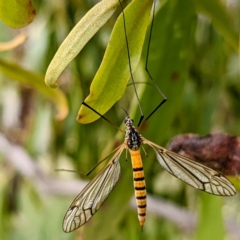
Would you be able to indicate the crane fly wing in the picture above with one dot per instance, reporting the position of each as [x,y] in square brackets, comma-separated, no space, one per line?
[90,199]
[193,173]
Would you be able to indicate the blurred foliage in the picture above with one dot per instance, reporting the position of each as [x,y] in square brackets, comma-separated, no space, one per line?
[193,59]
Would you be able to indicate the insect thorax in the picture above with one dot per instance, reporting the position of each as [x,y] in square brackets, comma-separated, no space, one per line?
[132,137]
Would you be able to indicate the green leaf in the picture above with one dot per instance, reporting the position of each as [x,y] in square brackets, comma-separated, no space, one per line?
[17,14]
[112,77]
[36,81]
[78,37]
[216,11]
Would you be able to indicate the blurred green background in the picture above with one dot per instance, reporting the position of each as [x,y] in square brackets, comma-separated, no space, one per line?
[193,59]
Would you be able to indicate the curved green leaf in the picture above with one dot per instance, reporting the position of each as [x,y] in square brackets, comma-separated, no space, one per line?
[112,77]
[17,14]
[78,38]
[36,81]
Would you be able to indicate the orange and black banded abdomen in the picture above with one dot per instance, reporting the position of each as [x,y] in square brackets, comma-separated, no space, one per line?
[139,185]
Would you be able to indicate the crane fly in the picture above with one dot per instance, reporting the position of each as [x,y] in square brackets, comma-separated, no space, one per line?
[94,194]
[90,199]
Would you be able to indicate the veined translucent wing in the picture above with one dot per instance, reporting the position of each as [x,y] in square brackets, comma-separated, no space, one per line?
[90,199]
[193,173]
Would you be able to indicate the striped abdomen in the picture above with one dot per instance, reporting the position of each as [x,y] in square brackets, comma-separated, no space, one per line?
[139,185]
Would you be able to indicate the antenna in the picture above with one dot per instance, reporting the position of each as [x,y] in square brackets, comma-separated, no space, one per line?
[142,120]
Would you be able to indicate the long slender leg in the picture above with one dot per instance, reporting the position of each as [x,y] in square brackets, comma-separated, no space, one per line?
[99,114]
[146,66]
[130,66]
